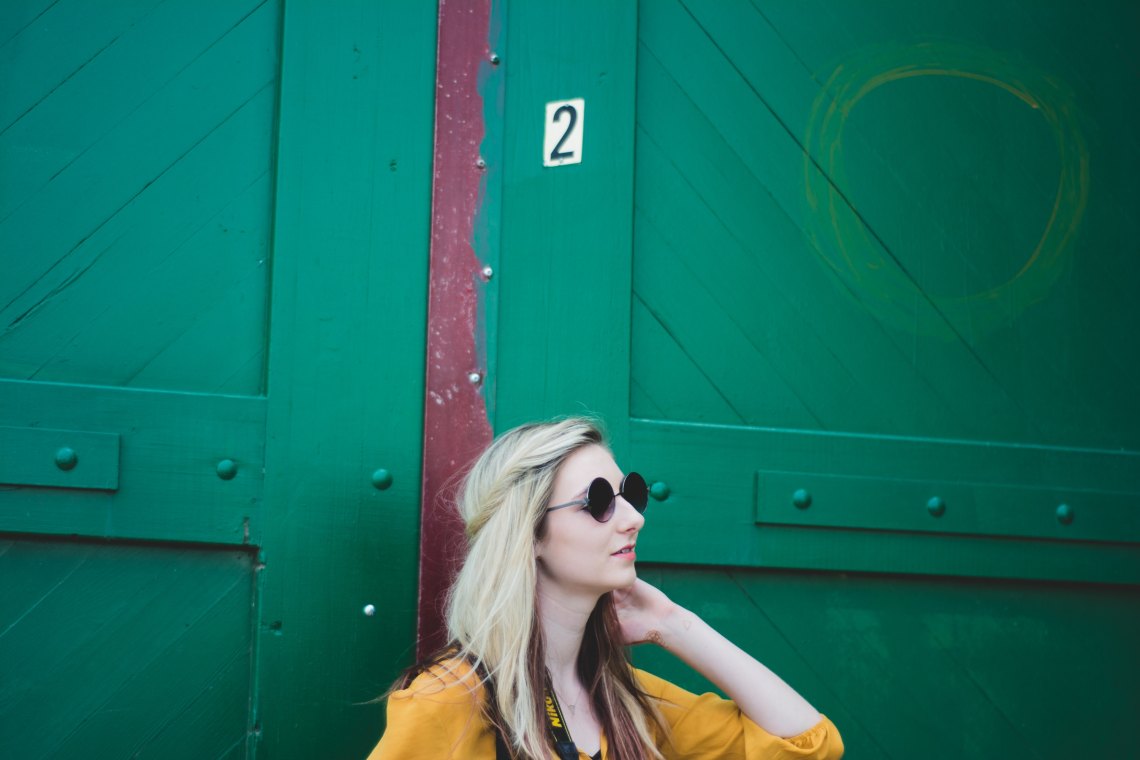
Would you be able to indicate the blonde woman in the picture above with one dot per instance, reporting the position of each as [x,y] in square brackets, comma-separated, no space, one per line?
[540,615]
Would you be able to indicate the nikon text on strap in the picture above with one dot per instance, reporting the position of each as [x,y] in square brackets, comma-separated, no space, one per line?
[563,744]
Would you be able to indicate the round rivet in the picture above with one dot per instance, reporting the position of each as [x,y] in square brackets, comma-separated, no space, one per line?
[474,378]
[382,479]
[659,491]
[801,498]
[495,59]
[227,468]
[66,458]
[479,162]
[1065,514]
[487,273]
[936,506]
[369,610]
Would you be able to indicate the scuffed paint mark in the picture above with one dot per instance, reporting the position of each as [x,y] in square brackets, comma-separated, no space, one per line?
[864,262]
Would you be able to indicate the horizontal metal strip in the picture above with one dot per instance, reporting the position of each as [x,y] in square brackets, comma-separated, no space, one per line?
[59,458]
[190,466]
[928,506]
[705,481]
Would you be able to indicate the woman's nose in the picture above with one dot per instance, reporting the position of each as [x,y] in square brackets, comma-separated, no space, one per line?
[630,518]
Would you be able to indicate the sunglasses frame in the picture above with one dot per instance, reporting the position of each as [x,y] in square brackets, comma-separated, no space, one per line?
[606,513]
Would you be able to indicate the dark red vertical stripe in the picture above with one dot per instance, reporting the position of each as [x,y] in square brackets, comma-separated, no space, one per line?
[456,427]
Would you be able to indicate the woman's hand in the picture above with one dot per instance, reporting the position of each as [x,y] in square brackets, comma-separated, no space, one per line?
[643,611]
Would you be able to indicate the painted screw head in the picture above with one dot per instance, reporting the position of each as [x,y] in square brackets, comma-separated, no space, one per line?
[227,469]
[66,458]
[1065,514]
[381,479]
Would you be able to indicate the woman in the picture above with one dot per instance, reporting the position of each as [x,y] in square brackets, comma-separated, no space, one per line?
[539,616]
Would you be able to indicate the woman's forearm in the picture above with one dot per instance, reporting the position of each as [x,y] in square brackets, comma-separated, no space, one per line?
[758,692]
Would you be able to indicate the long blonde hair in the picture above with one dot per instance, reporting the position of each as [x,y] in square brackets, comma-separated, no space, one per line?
[492,613]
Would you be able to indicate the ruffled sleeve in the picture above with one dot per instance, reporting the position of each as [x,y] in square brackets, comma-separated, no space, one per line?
[706,726]
[437,717]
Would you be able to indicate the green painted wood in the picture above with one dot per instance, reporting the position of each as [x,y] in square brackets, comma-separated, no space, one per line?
[969,509]
[135,206]
[14,17]
[124,650]
[80,32]
[864,228]
[753,98]
[148,150]
[169,449]
[59,458]
[141,147]
[748,180]
[928,667]
[346,367]
[564,290]
[709,517]
[685,389]
[159,146]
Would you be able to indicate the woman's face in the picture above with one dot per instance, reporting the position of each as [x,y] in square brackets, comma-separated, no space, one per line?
[578,554]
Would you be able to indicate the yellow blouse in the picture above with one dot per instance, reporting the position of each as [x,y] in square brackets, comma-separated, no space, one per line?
[438,717]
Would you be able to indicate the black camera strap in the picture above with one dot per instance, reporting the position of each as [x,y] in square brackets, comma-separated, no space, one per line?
[563,744]
[501,751]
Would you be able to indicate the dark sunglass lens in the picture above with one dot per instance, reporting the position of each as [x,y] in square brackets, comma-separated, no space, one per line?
[635,491]
[601,500]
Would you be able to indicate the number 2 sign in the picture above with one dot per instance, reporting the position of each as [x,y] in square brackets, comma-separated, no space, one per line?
[565,120]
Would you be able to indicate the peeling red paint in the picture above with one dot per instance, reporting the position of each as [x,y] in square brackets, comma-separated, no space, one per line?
[456,427]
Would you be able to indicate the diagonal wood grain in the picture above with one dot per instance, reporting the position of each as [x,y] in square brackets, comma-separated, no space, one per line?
[726,94]
[137,648]
[159,146]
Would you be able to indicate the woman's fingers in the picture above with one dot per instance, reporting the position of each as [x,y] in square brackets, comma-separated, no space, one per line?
[641,610]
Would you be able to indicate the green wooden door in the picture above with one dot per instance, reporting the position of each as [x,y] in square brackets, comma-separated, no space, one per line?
[213,248]
[851,286]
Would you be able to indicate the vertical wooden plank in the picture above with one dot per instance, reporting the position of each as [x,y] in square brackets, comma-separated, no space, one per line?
[345,370]
[456,426]
[565,288]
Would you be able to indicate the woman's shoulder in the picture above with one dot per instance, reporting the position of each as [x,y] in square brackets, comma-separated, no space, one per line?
[437,714]
[450,680]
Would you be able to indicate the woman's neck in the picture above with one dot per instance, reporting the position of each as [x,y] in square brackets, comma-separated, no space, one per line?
[563,619]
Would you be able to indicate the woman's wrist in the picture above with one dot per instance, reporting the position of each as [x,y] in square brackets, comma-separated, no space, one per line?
[673,628]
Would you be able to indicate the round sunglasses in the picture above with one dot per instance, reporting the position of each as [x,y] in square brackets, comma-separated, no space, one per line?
[601,500]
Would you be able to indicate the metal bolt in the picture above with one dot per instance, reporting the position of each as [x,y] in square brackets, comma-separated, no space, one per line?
[474,378]
[227,469]
[1065,514]
[936,506]
[382,479]
[66,458]
[801,498]
[479,162]
[487,273]
[369,610]
[494,59]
